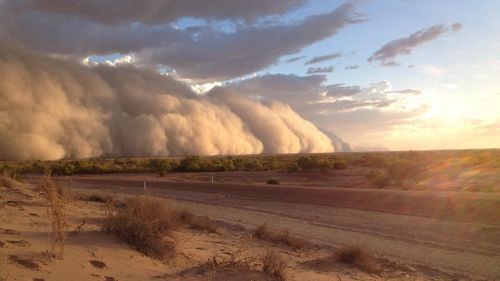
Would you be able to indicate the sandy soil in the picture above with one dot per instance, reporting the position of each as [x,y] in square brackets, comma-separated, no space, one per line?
[92,255]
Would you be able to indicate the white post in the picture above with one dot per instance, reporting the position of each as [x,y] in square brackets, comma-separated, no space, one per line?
[144,185]
[212,179]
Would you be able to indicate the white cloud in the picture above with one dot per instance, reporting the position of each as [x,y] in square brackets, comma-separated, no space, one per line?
[203,88]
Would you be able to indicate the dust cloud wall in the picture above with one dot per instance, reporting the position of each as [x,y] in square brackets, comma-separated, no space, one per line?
[54,108]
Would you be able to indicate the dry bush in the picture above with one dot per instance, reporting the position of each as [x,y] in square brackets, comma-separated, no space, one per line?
[8,182]
[263,232]
[98,198]
[274,265]
[56,199]
[186,216]
[271,263]
[198,222]
[357,256]
[273,181]
[144,223]
[210,269]
[240,259]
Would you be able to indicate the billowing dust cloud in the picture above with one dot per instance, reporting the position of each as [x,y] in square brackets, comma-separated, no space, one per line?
[52,109]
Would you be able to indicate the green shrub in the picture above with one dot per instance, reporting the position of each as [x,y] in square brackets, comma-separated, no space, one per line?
[306,163]
[160,166]
[293,167]
[191,164]
[373,160]
[379,179]
[273,181]
[339,165]
[98,198]
[401,171]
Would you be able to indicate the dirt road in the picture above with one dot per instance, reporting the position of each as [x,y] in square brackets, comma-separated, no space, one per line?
[463,206]
[457,233]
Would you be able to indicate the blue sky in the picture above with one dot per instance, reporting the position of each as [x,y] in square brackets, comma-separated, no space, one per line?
[457,70]
[388,20]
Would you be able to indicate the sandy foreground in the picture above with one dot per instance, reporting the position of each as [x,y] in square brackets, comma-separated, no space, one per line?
[406,247]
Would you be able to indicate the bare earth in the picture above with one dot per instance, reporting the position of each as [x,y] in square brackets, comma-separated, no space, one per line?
[416,235]
[453,232]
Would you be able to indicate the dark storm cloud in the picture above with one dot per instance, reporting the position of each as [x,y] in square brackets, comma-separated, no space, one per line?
[308,94]
[314,99]
[80,39]
[208,54]
[294,59]
[223,55]
[323,58]
[341,90]
[301,92]
[281,86]
[315,70]
[351,67]
[294,89]
[404,46]
[155,11]
[347,105]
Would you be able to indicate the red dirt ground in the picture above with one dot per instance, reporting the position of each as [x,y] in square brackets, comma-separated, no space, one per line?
[462,206]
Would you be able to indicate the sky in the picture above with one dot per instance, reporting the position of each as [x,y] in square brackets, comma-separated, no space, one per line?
[380,75]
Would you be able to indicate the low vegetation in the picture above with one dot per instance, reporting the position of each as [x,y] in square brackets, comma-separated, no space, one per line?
[475,169]
[98,198]
[397,172]
[161,166]
[55,199]
[198,222]
[358,257]
[273,181]
[144,224]
[274,265]
[270,263]
[308,163]
[284,237]
[379,178]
